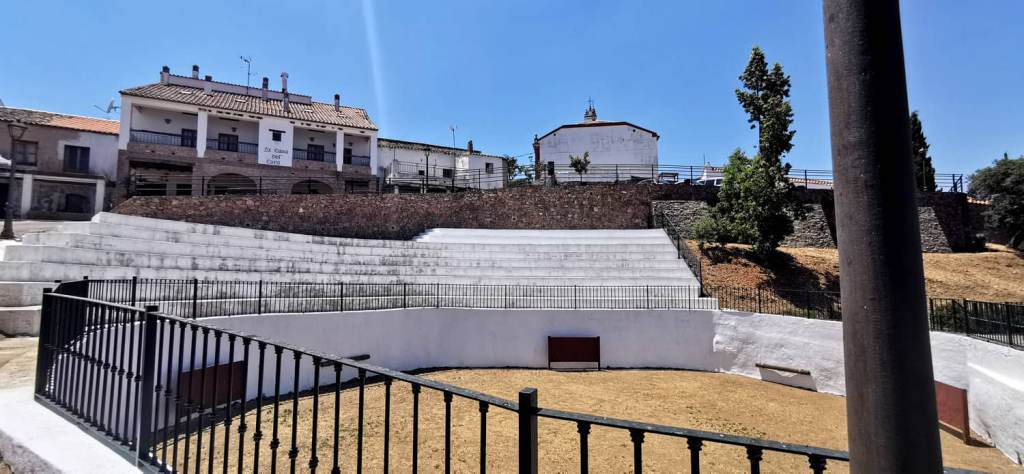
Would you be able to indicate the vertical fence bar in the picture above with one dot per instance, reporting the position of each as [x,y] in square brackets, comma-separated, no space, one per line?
[637,437]
[528,431]
[149,350]
[583,428]
[694,445]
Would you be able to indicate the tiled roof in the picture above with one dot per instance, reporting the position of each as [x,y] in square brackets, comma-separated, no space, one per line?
[407,145]
[600,123]
[51,119]
[313,112]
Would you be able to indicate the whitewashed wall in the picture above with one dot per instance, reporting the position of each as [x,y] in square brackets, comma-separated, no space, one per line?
[608,145]
[102,152]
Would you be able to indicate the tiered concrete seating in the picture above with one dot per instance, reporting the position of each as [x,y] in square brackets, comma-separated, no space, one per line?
[114,246]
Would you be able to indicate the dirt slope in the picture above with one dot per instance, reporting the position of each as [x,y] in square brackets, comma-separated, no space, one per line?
[994,275]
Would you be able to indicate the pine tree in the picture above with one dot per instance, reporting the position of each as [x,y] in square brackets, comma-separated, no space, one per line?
[924,173]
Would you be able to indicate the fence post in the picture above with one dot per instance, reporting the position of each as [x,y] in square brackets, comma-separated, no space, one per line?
[43,351]
[528,431]
[195,297]
[259,297]
[135,285]
[967,317]
[148,387]
[758,290]
[404,295]
[1009,324]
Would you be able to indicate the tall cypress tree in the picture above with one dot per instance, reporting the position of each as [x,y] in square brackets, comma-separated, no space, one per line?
[924,173]
[757,204]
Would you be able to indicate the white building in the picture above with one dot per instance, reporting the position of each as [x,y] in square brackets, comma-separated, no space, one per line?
[422,166]
[618,151]
[192,135]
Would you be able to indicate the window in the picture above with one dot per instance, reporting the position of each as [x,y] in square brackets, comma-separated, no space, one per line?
[489,168]
[347,156]
[420,172]
[75,202]
[315,152]
[275,135]
[25,152]
[227,142]
[183,189]
[188,137]
[447,173]
[76,158]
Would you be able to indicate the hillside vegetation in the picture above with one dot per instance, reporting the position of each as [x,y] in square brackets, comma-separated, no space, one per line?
[996,274]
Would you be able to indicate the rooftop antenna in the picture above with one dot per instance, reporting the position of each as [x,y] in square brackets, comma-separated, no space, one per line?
[110,107]
[248,71]
[453,128]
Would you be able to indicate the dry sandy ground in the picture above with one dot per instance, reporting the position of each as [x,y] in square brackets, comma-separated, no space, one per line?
[713,402]
[994,275]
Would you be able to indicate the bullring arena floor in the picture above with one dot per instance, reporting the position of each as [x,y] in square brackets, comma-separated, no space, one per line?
[706,401]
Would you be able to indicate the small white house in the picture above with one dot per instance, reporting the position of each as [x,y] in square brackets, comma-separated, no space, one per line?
[618,151]
[424,166]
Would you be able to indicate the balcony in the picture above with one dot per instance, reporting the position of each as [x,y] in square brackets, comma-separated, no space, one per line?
[232,146]
[357,160]
[161,138]
[314,155]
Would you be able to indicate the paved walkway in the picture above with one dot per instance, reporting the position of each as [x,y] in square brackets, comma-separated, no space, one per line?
[35,439]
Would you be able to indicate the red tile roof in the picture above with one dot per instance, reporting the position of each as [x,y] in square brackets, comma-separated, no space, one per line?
[313,112]
[52,119]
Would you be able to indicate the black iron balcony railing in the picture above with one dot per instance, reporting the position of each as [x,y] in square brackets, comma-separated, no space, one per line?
[356,160]
[231,145]
[161,138]
[314,155]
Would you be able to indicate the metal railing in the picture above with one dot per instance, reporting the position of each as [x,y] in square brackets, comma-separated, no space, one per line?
[314,155]
[158,387]
[232,146]
[160,138]
[160,185]
[356,160]
[203,298]
[1001,323]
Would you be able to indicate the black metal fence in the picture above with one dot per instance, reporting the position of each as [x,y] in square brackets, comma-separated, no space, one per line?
[184,396]
[204,298]
[1002,323]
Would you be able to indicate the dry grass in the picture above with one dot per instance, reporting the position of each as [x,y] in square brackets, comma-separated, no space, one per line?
[713,402]
[993,275]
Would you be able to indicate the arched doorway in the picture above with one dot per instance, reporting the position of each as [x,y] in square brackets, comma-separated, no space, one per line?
[311,186]
[230,183]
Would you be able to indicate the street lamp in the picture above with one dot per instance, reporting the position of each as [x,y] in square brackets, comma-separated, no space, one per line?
[16,131]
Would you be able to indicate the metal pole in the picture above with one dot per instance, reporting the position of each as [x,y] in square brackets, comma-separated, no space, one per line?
[528,431]
[889,382]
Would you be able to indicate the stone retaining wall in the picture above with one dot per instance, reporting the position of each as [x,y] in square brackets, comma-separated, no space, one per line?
[946,225]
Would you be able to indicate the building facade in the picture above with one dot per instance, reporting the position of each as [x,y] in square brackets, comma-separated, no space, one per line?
[617,150]
[65,164]
[421,166]
[196,136]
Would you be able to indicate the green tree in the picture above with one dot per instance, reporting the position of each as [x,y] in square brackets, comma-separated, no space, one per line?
[924,173]
[580,163]
[512,166]
[1003,185]
[757,204]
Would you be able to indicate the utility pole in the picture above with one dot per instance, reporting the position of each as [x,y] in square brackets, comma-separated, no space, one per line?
[890,387]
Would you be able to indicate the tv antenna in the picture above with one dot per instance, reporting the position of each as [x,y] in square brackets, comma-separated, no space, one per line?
[248,70]
[110,107]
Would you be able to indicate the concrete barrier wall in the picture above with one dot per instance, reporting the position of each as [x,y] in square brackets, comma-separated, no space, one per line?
[767,347]
[717,341]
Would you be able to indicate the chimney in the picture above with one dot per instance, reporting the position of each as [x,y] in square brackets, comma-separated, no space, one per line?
[207,86]
[536,156]
[337,102]
[195,71]
[165,75]
[469,148]
[266,85]
[284,90]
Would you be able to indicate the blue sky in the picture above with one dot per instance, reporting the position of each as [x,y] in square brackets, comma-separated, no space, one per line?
[504,71]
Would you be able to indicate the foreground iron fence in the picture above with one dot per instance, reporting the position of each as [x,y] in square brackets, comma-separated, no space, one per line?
[180,395]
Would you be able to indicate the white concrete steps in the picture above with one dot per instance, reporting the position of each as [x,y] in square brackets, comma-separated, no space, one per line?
[659,258]
[541,237]
[32,271]
[19,320]
[348,246]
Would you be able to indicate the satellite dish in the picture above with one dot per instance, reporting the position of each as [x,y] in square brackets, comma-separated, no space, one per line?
[110,107]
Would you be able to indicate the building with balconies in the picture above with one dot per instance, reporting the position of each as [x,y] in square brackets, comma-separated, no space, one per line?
[187,135]
[416,166]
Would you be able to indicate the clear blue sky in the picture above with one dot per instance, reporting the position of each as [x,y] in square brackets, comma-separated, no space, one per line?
[504,71]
